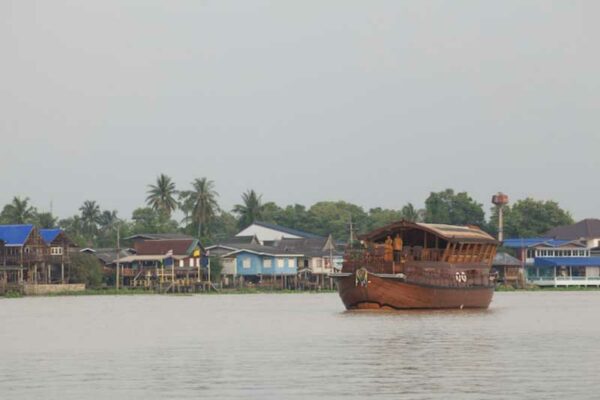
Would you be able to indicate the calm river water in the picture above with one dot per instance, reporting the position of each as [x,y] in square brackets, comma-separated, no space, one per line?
[297,346]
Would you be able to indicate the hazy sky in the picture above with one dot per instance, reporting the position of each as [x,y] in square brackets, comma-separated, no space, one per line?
[373,102]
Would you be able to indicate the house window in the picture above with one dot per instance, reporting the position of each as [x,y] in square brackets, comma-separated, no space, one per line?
[280,263]
[191,262]
[268,263]
[56,251]
[181,263]
[291,263]
[246,263]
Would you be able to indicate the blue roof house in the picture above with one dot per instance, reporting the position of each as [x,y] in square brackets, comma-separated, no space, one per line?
[557,262]
[22,255]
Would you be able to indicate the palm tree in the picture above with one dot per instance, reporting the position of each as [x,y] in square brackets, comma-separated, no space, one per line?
[250,210]
[161,196]
[90,217]
[107,219]
[18,211]
[410,213]
[45,220]
[200,204]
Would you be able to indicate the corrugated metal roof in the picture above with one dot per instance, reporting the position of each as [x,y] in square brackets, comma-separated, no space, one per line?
[566,261]
[50,234]
[15,235]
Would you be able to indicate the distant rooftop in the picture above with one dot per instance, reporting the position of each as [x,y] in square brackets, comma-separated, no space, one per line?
[584,229]
[290,231]
[158,236]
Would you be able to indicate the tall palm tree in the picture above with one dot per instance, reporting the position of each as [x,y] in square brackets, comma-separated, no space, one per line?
[250,210]
[200,204]
[19,211]
[90,217]
[161,196]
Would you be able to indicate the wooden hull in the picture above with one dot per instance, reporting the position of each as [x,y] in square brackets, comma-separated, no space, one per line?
[384,293]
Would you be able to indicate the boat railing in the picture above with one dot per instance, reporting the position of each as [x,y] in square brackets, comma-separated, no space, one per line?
[380,258]
[437,277]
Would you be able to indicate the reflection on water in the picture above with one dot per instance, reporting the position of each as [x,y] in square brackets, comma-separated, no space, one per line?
[527,346]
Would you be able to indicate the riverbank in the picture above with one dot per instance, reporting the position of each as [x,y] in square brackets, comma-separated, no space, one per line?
[134,292]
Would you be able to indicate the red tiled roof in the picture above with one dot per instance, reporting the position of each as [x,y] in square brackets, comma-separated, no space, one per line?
[180,247]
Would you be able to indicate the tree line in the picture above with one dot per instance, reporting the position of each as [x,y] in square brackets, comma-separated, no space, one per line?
[204,218]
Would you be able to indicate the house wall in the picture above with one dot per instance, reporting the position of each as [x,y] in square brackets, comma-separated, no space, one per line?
[263,233]
[254,264]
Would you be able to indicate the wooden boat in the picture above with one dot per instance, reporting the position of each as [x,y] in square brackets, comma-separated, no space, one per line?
[408,265]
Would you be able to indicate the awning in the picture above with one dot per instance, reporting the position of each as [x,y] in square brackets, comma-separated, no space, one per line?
[567,261]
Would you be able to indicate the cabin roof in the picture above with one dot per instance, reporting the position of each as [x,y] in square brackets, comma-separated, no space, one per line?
[451,233]
[15,235]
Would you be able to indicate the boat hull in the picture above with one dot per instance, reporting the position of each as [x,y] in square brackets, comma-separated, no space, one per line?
[385,293]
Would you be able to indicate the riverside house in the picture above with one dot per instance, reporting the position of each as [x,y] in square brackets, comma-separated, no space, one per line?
[264,266]
[564,257]
[22,255]
[158,261]
[32,256]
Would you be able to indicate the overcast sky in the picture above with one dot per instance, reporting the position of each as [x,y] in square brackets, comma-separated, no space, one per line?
[373,102]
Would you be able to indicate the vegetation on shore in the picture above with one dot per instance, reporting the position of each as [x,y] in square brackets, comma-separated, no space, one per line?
[203,217]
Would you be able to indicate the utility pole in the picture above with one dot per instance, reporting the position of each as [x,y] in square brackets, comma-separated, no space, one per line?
[118,256]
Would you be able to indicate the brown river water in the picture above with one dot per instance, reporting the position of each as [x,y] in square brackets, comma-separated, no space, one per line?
[528,345]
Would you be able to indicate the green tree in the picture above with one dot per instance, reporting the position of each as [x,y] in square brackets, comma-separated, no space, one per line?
[272,213]
[85,268]
[530,218]
[447,207]
[200,205]
[45,220]
[379,217]
[222,227]
[149,220]
[73,227]
[161,197]
[327,217]
[250,210]
[19,211]
[294,216]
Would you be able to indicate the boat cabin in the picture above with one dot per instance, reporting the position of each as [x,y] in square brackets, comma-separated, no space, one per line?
[400,245]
